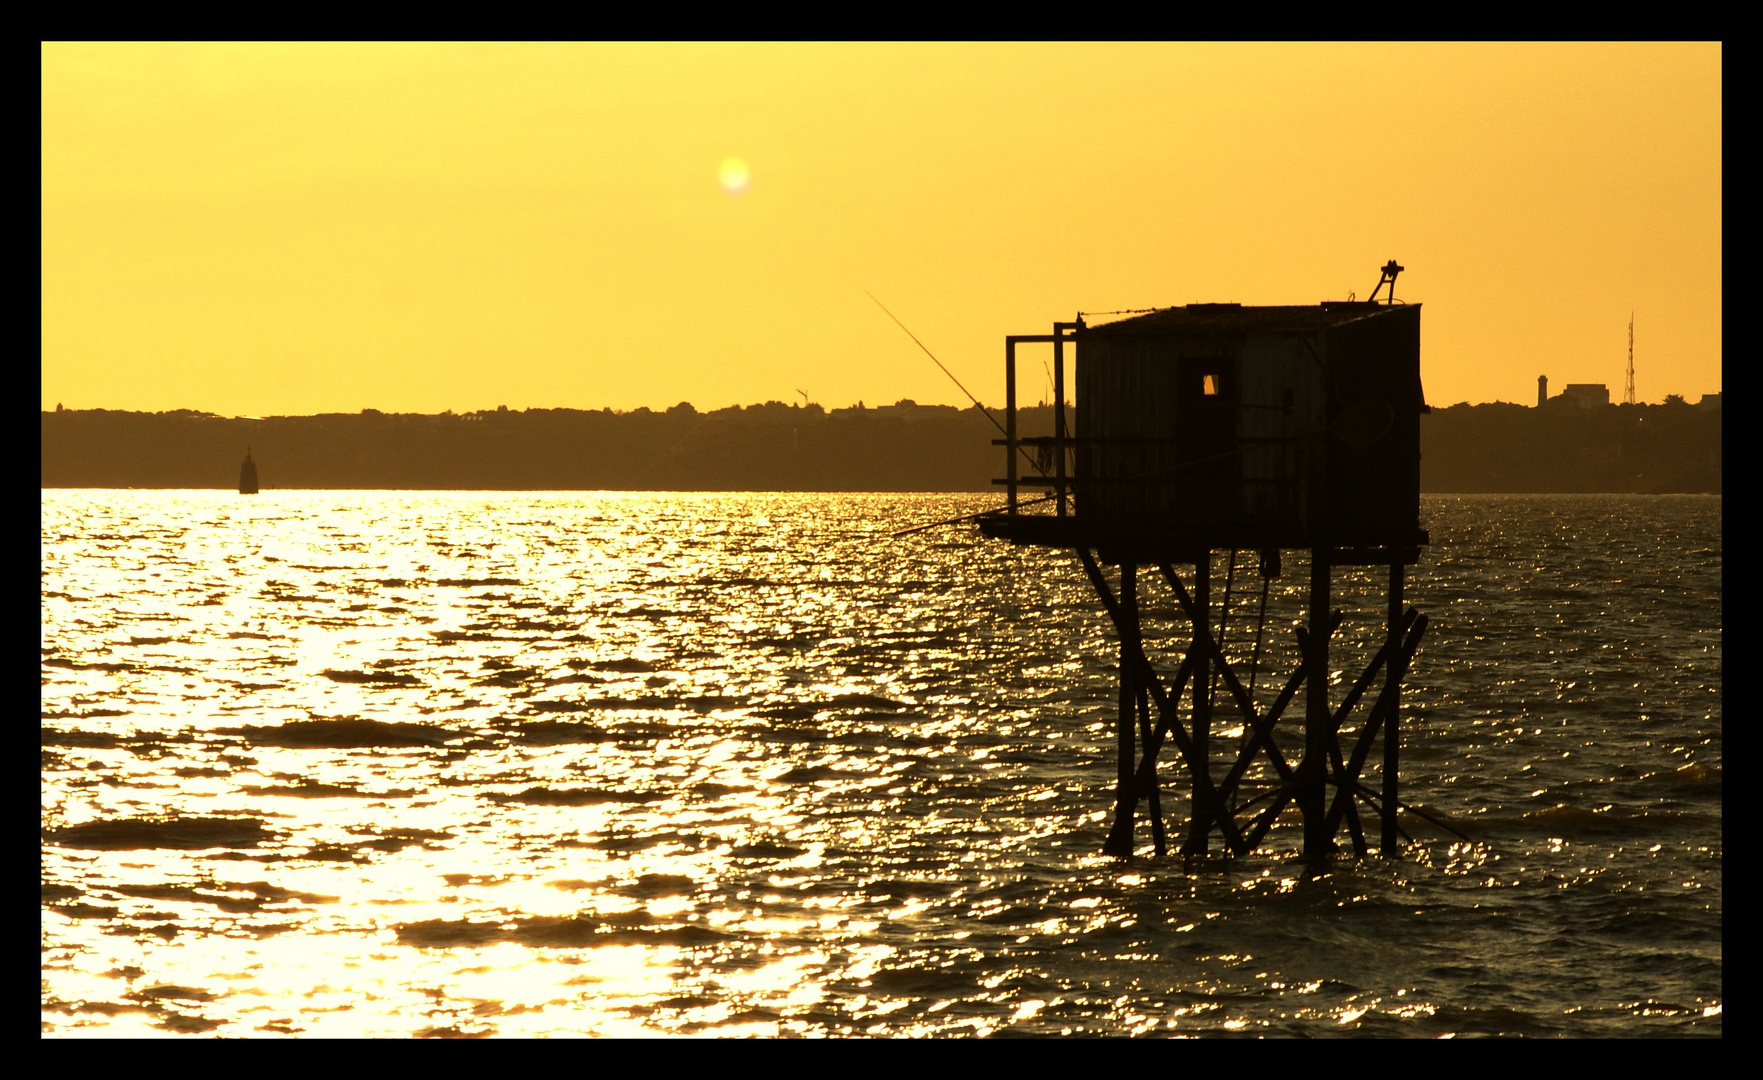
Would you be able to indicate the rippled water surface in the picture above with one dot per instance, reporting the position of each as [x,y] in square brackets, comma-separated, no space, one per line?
[412,763]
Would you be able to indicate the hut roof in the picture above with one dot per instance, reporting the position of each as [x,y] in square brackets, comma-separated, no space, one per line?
[1237,319]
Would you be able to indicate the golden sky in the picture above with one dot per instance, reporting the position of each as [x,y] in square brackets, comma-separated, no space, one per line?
[298,228]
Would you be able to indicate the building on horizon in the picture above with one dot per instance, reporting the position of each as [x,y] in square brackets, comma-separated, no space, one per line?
[1542,390]
[1709,401]
[1587,395]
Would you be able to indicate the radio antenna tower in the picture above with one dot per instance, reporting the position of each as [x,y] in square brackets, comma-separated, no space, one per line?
[1628,396]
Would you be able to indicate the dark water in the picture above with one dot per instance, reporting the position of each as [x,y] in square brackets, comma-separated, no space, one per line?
[382,763]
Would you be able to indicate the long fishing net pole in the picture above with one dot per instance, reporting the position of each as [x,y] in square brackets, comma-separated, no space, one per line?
[1033,464]
[938,363]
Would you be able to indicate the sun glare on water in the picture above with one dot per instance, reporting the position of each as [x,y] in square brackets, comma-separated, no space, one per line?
[733,175]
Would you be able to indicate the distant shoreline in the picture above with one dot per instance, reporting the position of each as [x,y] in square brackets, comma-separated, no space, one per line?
[1562,448]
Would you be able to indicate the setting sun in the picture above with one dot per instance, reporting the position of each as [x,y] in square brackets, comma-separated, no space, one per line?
[733,175]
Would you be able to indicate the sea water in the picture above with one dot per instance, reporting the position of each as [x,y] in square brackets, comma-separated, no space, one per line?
[519,764]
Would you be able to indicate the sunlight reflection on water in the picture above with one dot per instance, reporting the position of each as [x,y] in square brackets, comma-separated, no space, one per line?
[376,763]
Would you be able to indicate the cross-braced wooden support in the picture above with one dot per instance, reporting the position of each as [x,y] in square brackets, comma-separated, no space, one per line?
[1321,766]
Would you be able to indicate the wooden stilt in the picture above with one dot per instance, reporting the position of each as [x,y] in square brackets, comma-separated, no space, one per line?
[1126,789]
[1317,717]
[1141,731]
[1392,729]
[1262,727]
[1202,814]
[1166,700]
[1347,778]
[1261,737]
[1344,799]
[1146,778]
[1343,778]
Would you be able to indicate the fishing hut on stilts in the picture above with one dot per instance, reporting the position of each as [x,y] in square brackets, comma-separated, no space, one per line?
[1223,427]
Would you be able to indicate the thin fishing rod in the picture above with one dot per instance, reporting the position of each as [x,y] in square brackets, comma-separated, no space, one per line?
[933,356]
[939,363]
[969,517]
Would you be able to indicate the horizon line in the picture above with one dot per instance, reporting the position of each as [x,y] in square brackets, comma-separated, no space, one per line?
[691,409]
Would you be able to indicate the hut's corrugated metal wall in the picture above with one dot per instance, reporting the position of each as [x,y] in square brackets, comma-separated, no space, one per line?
[1282,405]
[1152,442]
[1256,450]
[1373,488]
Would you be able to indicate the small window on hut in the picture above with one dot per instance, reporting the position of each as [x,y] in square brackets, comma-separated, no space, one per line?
[1208,384]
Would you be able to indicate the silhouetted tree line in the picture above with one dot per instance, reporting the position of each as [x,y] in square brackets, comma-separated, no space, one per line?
[774,446]
[1561,447]
[1566,447]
